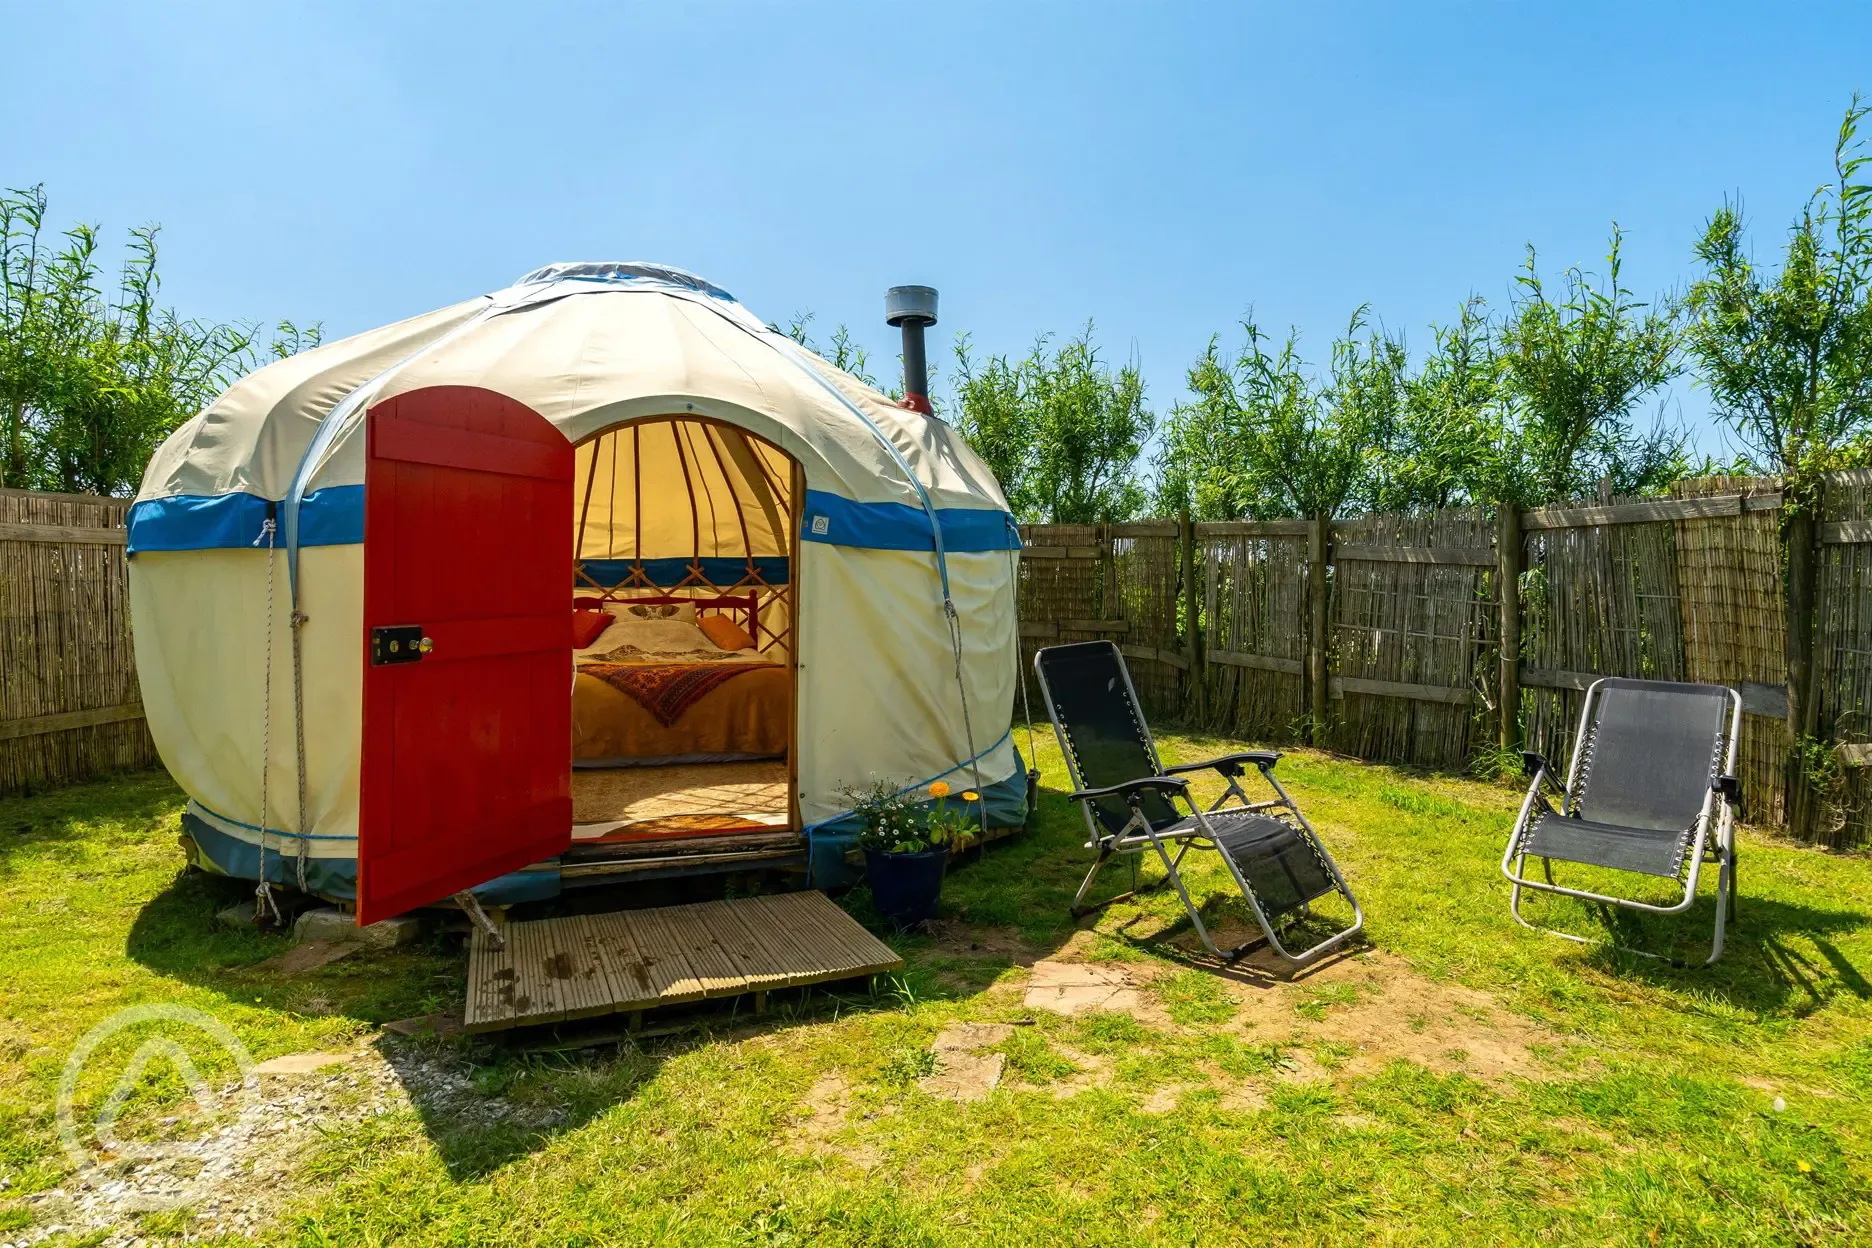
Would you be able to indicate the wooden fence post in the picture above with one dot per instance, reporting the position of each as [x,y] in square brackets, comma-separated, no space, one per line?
[1802,571]
[1319,543]
[1192,621]
[1508,589]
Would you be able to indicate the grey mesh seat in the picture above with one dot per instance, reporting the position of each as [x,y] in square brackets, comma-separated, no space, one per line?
[1651,790]
[1130,800]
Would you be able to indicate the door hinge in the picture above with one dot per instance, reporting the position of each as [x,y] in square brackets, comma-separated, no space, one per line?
[398,643]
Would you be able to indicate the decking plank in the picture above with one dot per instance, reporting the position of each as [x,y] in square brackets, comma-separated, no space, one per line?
[693,932]
[490,983]
[663,950]
[636,979]
[582,965]
[536,989]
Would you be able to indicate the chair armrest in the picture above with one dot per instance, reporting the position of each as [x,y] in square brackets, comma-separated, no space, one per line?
[1230,764]
[1535,767]
[1130,789]
[1730,787]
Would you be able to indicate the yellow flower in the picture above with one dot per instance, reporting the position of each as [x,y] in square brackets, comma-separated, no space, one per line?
[939,789]
[1805,1168]
[971,796]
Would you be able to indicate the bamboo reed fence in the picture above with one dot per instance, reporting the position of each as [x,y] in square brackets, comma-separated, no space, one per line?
[69,706]
[1230,626]
[1251,681]
[1413,636]
[1218,620]
[1843,662]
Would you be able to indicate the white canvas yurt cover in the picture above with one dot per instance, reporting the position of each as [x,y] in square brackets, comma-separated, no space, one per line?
[279,505]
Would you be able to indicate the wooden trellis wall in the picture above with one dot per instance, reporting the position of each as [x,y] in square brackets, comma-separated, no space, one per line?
[69,706]
[1413,643]
[1230,626]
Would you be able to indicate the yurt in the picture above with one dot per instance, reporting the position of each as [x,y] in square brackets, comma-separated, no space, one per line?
[596,575]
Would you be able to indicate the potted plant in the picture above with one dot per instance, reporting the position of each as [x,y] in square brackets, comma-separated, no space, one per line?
[907,847]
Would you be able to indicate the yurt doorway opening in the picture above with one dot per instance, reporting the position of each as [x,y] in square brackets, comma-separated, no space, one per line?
[684,594]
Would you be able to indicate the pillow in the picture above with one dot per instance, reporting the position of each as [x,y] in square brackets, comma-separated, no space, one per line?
[656,636]
[587,626]
[587,604]
[626,609]
[724,632]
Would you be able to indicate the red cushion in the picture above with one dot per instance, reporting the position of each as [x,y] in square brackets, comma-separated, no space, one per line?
[588,604]
[587,625]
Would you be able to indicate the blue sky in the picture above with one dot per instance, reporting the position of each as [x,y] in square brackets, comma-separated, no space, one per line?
[1158,168]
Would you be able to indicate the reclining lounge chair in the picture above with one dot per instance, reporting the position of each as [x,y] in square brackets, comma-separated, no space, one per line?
[1652,790]
[1129,798]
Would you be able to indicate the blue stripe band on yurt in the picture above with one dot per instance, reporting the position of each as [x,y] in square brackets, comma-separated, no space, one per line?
[333,516]
[899,526]
[720,571]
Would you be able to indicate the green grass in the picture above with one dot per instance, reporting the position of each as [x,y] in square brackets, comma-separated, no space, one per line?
[1223,1113]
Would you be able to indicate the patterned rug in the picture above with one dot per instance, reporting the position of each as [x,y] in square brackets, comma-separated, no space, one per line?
[668,690]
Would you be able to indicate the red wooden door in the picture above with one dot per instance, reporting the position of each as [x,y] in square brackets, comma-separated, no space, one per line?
[467,764]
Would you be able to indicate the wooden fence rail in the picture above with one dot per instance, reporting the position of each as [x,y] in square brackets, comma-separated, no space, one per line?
[1440,637]
[69,706]
[1430,638]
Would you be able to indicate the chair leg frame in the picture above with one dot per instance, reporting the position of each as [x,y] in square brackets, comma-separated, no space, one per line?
[1137,836]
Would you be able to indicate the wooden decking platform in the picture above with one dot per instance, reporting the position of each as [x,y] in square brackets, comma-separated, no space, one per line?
[578,966]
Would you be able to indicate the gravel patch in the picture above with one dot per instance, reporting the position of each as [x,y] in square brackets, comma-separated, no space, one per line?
[234,1176]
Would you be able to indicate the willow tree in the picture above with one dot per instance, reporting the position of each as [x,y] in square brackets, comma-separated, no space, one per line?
[1062,430]
[92,378]
[1787,357]
[1576,364]
[1261,438]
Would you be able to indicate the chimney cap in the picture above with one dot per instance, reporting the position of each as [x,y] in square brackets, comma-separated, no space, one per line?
[915,304]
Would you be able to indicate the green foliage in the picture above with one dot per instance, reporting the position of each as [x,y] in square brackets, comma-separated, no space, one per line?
[1574,368]
[1261,439]
[1535,408]
[841,353]
[90,382]
[893,820]
[1640,1106]
[1788,357]
[1060,430]
[1444,446]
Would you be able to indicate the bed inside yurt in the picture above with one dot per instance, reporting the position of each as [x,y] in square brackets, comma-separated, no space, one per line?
[682,701]
[596,576]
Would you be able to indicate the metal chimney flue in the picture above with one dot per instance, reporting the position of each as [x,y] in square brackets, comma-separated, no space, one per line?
[912,308]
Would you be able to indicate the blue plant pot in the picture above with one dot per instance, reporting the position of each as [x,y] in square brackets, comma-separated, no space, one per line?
[906,887]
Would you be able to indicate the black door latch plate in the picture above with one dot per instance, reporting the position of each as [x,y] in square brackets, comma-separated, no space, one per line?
[396,643]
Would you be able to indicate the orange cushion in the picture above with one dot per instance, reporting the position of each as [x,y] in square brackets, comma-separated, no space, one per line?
[587,625]
[724,632]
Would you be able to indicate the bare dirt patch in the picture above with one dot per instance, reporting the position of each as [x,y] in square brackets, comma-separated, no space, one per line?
[958,939]
[1375,1009]
[822,1111]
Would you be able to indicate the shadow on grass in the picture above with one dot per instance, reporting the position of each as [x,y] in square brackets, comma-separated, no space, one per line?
[60,822]
[176,934]
[1780,957]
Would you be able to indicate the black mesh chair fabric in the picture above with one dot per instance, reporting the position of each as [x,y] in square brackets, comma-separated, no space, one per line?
[1271,854]
[1653,751]
[1102,728]
[1650,754]
[1644,850]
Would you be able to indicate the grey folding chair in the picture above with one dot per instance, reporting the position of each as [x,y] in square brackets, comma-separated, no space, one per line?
[1129,799]
[1651,790]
